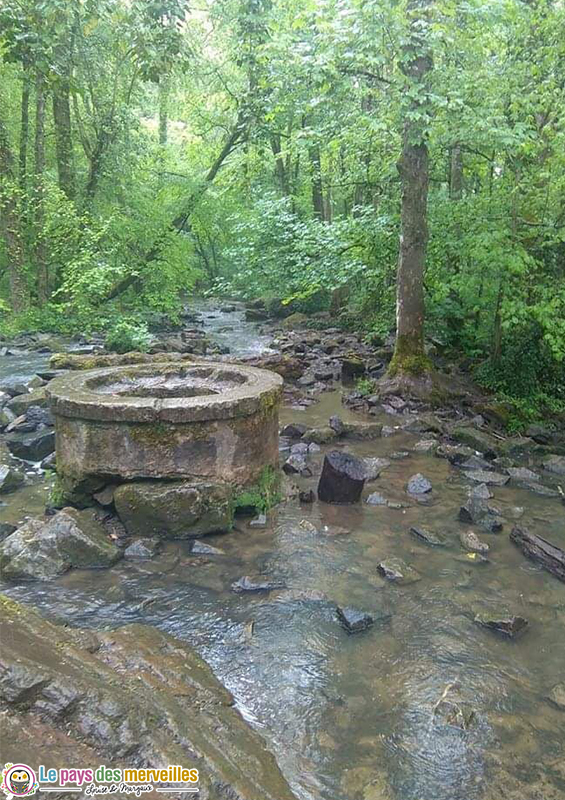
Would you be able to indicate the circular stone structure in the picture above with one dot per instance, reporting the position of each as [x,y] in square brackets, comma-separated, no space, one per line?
[166,421]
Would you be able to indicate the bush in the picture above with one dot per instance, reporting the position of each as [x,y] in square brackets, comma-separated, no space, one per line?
[127,335]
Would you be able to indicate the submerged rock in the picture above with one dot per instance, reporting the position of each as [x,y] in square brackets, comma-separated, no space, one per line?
[509,625]
[323,435]
[142,549]
[342,479]
[418,484]
[130,696]
[397,571]
[353,620]
[374,467]
[256,583]
[43,550]
[557,696]
[426,536]
[173,510]
[471,542]
[362,430]
[481,492]
[376,499]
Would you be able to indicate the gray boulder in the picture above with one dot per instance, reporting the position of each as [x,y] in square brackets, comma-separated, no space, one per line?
[10,479]
[43,550]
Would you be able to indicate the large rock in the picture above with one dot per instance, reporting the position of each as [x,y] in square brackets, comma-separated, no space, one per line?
[21,403]
[478,440]
[362,430]
[174,510]
[342,478]
[43,550]
[131,696]
[33,446]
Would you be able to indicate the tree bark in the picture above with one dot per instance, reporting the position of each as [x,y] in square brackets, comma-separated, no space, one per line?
[316,179]
[10,225]
[409,356]
[24,129]
[63,138]
[39,216]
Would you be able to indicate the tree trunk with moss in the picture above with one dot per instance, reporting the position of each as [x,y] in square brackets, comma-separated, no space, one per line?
[409,355]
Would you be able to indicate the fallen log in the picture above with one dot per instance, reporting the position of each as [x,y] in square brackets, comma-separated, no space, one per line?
[551,557]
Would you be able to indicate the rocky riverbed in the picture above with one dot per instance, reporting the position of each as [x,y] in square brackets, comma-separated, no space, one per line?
[453,690]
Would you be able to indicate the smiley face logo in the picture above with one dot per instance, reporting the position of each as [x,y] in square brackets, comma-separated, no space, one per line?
[19,780]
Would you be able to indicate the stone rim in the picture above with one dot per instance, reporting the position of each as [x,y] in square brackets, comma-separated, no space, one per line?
[71,395]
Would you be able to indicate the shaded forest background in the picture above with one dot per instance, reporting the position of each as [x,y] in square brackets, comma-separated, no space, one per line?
[153,150]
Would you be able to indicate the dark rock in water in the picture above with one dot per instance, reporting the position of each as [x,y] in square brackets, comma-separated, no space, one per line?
[294,431]
[337,424]
[551,557]
[376,499]
[555,464]
[473,510]
[362,430]
[323,435]
[202,549]
[342,478]
[228,309]
[142,549]
[251,583]
[5,530]
[455,454]
[10,479]
[471,542]
[480,492]
[154,694]
[31,446]
[49,462]
[557,696]
[424,535]
[492,524]
[418,484]
[490,478]
[374,467]
[306,496]
[397,571]
[255,315]
[354,620]
[43,550]
[510,625]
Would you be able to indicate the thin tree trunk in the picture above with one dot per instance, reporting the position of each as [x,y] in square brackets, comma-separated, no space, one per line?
[164,89]
[280,166]
[39,217]
[24,130]
[64,138]
[409,356]
[316,180]
[10,225]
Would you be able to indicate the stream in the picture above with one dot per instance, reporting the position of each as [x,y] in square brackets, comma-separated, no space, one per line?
[354,716]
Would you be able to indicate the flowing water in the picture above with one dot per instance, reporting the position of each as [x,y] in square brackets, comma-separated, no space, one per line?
[352,716]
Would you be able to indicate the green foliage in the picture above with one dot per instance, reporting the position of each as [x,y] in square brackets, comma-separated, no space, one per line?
[263,495]
[128,334]
[365,386]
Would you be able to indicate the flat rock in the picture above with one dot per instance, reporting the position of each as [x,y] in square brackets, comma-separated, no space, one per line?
[175,509]
[480,492]
[256,583]
[202,549]
[43,550]
[362,430]
[353,620]
[397,571]
[323,435]
[490,478]
[510,625]
[471,542]
[539,489]
[21,403]
[418,484]
[477,440]
[428,537]
[522,474]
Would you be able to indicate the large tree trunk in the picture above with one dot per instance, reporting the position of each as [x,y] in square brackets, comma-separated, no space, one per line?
[39,216]
[10,224]
[409,356]
[63,138]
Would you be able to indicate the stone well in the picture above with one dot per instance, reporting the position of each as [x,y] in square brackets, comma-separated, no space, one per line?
[194,422]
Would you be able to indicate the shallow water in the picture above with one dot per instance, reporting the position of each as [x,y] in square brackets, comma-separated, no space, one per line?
[352,717]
